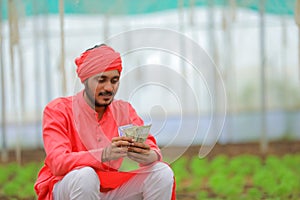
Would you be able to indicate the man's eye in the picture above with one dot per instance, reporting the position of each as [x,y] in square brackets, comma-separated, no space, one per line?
[114,81]
[101,80]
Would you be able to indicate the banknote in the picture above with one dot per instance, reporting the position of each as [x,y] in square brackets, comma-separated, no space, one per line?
[138,133]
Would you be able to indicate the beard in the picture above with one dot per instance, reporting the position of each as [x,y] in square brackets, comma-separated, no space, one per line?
[92,99]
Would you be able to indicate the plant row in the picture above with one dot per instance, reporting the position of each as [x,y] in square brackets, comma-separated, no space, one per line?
[241,177]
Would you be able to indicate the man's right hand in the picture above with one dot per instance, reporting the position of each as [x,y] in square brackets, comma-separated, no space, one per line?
[117,149]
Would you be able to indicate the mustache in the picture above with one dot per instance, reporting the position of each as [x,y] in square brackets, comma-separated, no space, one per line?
[106,93]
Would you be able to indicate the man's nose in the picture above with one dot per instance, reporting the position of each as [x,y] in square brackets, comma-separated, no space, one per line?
[108,86]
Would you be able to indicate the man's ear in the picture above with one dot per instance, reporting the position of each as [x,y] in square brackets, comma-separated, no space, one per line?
[85,84]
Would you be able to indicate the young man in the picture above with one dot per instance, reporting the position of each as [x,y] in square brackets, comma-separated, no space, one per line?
[83,148]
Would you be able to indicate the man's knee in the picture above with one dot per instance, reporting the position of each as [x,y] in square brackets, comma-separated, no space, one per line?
[86,179]
[159,183]
[163,173]
[78,184]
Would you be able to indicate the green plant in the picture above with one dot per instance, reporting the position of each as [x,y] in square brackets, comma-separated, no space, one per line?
[254,193]
[241,177]
[180,170]
[199,167]
[219,163]
[244,164]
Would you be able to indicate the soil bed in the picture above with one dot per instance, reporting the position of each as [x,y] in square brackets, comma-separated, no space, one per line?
[277,148]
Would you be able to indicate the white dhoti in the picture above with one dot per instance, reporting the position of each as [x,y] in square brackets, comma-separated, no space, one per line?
[154,183]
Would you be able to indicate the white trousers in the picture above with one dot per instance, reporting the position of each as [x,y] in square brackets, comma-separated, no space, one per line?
[83,184]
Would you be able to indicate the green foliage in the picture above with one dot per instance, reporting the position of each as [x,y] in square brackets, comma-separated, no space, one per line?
[244,164]
[16,182]
[180,170]
[6,172]
[254,193]
[243,177]
[199,167]
[202,195]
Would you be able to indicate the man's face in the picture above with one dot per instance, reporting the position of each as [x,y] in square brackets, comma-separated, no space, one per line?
[101,88]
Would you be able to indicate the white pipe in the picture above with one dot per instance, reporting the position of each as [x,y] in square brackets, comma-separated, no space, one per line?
[62,45]
[4,152]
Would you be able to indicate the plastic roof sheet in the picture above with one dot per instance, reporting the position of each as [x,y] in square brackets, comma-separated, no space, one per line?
[134,7]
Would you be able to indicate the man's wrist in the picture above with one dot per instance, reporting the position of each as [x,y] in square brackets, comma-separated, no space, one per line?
[154,155]
[104,157]
[158,155]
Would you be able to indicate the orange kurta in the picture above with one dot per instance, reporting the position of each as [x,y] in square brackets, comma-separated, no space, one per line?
[73,138]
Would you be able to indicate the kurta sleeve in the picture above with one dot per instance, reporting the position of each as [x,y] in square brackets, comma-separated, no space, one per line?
[57,136]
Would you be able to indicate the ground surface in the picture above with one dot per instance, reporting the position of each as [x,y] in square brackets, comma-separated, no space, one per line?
[275,148]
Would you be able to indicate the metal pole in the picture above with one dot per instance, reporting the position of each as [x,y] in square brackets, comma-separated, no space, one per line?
[299,47]
[62,46]
[48,76]
[21,102]
[182,51]
[263,139]
[192,13]
[284,70]
[214,52]
[11,41]
[37,70]
[297,19]
[106,19]
[14,37]
[211,31]
[14,41]
[230,72]
[4,152]
[195,37]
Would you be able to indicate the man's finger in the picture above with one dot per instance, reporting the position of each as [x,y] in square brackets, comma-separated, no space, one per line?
[122,138]
[121,144]
[120,150]
[140,145]
[138,150]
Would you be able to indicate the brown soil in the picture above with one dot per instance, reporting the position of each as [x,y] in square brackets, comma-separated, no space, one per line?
[278,148]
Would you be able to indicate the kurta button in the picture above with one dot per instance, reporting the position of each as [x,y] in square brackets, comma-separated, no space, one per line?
[99,140]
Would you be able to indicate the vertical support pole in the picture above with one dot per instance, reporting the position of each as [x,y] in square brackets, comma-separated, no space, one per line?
[182,49]
[297,19]
[14,39]
[62,46]
[4,152]
[215,57]
[47,60]
[37,69]
[229,71]
[263,138]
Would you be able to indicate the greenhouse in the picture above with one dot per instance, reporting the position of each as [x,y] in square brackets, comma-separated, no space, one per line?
[211,76]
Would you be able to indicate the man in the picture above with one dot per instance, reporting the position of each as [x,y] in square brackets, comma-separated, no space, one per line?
[83,148]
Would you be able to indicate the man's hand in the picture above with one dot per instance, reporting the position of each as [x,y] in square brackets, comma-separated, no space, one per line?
[117,149]
[141,153]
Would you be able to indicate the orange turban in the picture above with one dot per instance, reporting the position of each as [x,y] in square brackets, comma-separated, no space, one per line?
[97,60]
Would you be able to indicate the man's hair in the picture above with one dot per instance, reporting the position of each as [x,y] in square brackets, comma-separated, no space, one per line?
[96,46]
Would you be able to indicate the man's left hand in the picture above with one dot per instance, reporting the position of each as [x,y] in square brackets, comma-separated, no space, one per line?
[141,153]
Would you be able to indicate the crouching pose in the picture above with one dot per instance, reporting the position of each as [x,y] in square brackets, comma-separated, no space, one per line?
[83,148]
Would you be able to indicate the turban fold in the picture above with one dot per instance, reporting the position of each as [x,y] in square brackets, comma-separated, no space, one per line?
[97,60]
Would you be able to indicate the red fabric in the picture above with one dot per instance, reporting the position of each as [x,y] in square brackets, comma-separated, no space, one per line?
[66,151]
[97,60]
[173,197]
